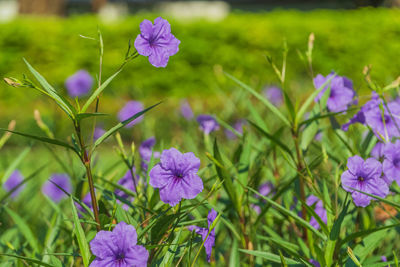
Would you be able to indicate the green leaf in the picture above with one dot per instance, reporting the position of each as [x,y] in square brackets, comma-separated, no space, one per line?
[43,139]
[171,251]
[234,260]
[80,235]
[365,233]
[33,261]
[31,176]
[272,138]
[311,211]
[226,178]
[289,213]
[120,125]
[268,256]
[60,100]
[264,100]
[99,90]
[82,116]
[25,230]
[14,164]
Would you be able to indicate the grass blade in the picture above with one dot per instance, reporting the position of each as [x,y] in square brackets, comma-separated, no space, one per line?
[80,235]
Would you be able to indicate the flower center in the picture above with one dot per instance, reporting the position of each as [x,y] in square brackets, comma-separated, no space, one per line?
[179,175]
[361,179]
[396,162]
[386,118]
[120,257]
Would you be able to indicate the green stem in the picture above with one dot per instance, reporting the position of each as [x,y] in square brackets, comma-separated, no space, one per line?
[300,168]
[86,162]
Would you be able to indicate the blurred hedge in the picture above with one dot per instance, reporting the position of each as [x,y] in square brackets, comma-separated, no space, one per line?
[346,41]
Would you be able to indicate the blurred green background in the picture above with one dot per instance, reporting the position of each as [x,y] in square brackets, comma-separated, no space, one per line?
[345,41]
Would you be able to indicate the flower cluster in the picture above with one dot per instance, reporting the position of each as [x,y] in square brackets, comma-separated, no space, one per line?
[383,119]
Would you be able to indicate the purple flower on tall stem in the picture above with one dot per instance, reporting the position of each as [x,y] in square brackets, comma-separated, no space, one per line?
[156,42]
[274,95]
[366,177]
[130,109]
[207,123]
[127,182]
[51,187]
[210,241]
[186,110]
[341,94]
[391,163]
[384,121]
[14,181]
[79,84]
[176,176]
[319,210]
[118,248]
[146,150]
[238,126]
[359,117]
[264,189]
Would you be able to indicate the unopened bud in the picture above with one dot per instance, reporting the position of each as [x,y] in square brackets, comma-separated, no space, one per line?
[12,82]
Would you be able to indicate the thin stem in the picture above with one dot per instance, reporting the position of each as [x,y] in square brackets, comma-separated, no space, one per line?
[301,178]
[86,162]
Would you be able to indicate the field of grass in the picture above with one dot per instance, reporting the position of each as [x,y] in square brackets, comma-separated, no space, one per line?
[270,183]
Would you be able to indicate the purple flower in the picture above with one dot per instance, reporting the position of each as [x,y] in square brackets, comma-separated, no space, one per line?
[127,182]
[52,191]
[382,123]
[341,94]
[13,181]
[146,150]
[210,242]
[176,176]
[274,95]
[156,42]
[186,110]
[118,248]
[359,117]
[98,132]
[366,177]
[391,163]
[79,84]
[314,262]
[207,123]
[130,109]
[238,126]
[318,137]
[264,189]
[319,210]
[377,151]
[87,200]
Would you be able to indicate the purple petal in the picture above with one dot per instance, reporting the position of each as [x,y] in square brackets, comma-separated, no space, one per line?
[160,177]
[355,164]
